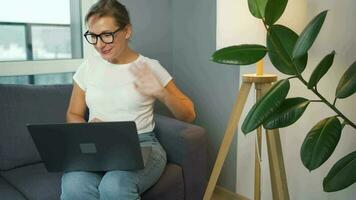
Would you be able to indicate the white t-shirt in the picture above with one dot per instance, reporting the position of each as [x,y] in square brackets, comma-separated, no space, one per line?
[110,93]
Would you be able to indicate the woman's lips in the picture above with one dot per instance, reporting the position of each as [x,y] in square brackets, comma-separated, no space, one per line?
[105,51]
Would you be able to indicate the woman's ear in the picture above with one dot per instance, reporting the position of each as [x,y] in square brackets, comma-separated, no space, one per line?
[128,32]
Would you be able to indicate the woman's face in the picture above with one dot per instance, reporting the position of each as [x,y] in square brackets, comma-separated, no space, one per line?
[110,52]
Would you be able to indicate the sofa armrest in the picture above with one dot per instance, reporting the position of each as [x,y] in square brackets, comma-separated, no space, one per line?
[185,145]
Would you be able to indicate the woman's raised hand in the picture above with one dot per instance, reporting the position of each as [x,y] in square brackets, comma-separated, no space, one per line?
[146,82]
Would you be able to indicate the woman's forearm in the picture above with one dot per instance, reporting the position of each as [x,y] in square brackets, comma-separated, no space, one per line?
[182,109]
[74,118]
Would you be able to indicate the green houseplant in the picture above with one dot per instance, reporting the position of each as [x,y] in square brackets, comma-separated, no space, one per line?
[288,53]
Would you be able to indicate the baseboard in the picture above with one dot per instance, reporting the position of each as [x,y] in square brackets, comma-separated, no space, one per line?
[223,193]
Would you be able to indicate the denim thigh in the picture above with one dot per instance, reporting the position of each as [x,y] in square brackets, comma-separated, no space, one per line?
[117,184]
[155,165]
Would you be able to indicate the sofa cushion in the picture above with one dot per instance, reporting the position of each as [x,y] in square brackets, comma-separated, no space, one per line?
[22,104]
[185,145]
[169,186]
[36,183]
[7,192]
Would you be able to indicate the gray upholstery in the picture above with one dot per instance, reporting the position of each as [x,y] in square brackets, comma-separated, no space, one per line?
[34,181]
[26,104]
[169,186]
[186,146]
[23,176]
[8,192]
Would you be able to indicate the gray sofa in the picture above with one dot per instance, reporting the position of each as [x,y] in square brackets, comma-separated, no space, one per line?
[23,175]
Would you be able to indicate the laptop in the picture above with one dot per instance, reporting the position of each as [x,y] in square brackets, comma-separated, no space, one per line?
[99,146]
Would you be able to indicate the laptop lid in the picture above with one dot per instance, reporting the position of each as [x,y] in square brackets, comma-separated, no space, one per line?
[100,146]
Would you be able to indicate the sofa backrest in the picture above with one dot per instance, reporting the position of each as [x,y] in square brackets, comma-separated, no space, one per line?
[23,104]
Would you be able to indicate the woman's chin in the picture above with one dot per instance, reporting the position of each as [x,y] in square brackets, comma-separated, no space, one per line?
[106,57]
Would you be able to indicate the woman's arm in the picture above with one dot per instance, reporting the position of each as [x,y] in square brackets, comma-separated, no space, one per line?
[147,84]
[178,103]
[77,105]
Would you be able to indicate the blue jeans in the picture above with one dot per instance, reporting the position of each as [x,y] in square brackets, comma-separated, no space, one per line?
[118,185]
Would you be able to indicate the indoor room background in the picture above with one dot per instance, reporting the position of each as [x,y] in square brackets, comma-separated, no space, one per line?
[182,35]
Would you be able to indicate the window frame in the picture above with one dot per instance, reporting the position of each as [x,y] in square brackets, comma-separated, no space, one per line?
[34,67]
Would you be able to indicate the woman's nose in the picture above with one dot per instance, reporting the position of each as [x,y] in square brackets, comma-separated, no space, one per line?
[100,43]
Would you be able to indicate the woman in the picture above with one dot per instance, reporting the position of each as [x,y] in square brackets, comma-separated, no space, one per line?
[120,85]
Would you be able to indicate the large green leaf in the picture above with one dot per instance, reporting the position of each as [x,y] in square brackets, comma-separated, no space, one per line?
[266,106]
[347,83]
[257,8]
[321,69]
[308,36]
[320,142]
[280,44]
[288,112]
[274,10]
[342,174]
[244,54]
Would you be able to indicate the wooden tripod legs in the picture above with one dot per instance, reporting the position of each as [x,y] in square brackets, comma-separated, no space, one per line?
[275,157]
[228,136]
[277,171]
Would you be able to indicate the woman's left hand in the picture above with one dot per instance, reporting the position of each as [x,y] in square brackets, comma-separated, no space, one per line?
[96,120]
[146,82]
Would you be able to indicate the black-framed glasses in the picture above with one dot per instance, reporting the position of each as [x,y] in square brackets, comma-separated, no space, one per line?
[106,37]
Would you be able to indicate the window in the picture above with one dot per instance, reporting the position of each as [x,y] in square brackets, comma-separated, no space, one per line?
[13,42]
[42,31]
[51,42]
[42,79]
[42,44]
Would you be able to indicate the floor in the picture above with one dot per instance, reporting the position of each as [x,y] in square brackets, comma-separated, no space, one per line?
[221,193]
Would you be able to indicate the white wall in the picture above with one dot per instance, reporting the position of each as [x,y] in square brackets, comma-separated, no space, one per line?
[337,34]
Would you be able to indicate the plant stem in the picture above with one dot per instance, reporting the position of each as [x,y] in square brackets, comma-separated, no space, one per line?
[292,77]
[315,90]
[328,103]
[315,101]
[334,101]
[264,24]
